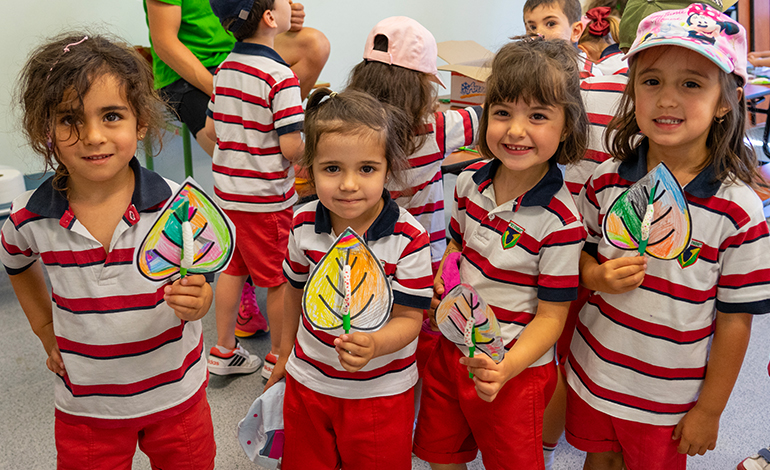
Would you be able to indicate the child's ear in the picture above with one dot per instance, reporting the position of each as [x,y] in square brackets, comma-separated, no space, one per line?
[269,19]
[725,108]
[141,131]
[577,31]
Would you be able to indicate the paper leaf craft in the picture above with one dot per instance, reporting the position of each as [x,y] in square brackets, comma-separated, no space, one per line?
[454,314]
[192,235]
[362,303]
[667,228]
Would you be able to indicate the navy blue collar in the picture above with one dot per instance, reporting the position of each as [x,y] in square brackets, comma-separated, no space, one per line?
[382,226]
[150,189]
[540,194]
[261,50]
[611,49]
[704,185]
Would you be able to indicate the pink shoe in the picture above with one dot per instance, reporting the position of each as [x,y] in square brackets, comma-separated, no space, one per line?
[250,320]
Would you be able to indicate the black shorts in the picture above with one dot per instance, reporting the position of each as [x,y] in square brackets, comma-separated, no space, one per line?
[188,103]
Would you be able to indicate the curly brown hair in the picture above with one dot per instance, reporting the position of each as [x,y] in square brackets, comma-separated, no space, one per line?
[354,112]
[546,72]
[60,68]
[729,154]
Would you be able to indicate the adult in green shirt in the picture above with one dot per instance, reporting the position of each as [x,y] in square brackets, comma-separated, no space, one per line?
[188,43]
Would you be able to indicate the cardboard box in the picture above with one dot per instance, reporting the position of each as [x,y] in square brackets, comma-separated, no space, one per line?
[470,64]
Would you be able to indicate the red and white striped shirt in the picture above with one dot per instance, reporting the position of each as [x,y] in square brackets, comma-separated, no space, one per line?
[611,62]
[642,355]
[422,191]
[256,99]
[541,265]
[403,248]
[601,96]
[129,358]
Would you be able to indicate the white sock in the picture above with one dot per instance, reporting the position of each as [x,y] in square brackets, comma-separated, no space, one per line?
[548,451]
[223,349]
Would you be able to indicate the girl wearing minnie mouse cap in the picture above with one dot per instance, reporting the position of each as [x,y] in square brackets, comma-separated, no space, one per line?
[659,345]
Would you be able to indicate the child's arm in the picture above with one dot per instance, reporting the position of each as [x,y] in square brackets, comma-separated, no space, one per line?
[614,276]
[209,129]
[698,429]
[438,284]
[357,349]
[538,336]
[292,310]
[30,289]
[292,145]
[759,58]
[190,297]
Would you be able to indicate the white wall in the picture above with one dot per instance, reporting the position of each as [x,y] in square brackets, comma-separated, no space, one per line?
[25,23]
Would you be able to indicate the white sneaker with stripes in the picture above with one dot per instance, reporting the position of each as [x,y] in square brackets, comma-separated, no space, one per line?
[237,361]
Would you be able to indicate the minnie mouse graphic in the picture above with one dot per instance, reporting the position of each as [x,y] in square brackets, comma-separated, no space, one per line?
[705,25]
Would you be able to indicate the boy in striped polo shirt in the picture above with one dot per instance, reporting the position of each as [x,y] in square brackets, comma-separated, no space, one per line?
[256,116]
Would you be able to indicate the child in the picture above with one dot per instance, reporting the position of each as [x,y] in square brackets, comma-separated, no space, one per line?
[600,41]
[399,68]
[658,347]
[558,19]
[255,115]
[533,119]
[128,353]
[352,395]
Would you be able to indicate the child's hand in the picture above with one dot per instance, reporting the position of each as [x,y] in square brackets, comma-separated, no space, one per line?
[438,291]
[697,432]
[620,275]
[55,362]
[297,16]
[488,375]
[190,297]
[355,350]
[279,372]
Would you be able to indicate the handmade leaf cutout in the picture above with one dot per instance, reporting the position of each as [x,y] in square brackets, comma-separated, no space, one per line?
[189,218]
[670,229]
[455,312]
[369,296]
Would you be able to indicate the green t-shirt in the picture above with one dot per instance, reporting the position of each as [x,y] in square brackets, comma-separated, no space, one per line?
[201,32]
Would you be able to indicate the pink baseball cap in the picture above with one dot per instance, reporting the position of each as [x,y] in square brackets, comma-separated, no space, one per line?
[410,45]
[700,28]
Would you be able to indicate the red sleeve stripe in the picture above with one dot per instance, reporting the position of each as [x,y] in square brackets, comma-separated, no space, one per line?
[565,237]
[15,250]
[394,366]
[561,210]
[242,147]
[117,303]
[297,268]
[315,256]
[241,95]
[496,274]
[736,281]
[628,400]
[255,199]
[574,188]
[636,365]
[729,209]
[304,217]
[508,316]
[136,388]
[279,87]
[288,112]
[417,283]
[468,126]
[753,234]
[569,281]
[113,351]
[253,71]
[648,328]
[276,175]
[441,133]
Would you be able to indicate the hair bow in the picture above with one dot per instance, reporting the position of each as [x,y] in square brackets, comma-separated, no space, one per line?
[599,26]
[704,10]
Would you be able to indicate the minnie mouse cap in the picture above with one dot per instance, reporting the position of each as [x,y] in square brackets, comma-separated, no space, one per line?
[410,45]
[699,28]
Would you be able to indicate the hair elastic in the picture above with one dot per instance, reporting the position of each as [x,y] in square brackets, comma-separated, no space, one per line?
[327,98]
[67,49]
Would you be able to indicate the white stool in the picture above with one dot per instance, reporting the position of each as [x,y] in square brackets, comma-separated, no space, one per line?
[11,185]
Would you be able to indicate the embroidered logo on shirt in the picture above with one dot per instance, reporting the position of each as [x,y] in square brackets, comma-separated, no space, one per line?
[511,235]
[690,255]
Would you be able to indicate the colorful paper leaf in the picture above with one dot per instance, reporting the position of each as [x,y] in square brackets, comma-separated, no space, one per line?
[369,297]
[463,306]
[161,255]
[670,229]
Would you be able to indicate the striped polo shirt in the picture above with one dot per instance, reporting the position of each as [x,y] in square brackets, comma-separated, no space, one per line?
[403,248]
[601,96]
[611,62]
[642,355]
[519,252]
[256,99]
[129,358]
[422,190]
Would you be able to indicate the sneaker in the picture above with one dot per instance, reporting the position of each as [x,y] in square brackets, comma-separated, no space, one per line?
[758,461]
[237,361]
[267,368]
[250,320]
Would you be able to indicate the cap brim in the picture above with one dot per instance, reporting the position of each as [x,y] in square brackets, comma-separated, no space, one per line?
[436,79]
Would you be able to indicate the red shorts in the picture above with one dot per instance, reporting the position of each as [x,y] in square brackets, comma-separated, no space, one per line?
[261,239]
[644,446]
[565,339]
[183,441]
[454,423]
[426,343]
[323,432]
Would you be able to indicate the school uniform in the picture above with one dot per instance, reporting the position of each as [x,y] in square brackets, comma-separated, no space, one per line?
[514,254]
